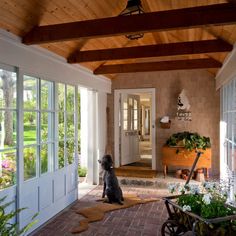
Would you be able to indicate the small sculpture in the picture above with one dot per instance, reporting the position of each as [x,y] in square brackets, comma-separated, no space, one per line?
[183,107]
[183,102]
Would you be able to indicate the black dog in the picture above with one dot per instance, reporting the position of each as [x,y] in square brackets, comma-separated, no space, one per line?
[111,187]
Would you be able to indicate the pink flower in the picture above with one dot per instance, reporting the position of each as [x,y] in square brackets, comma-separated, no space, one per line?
[5,164]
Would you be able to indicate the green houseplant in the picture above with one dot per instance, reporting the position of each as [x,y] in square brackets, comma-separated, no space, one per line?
[189,141]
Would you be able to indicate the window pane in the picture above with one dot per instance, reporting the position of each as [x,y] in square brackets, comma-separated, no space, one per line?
[135,124]
[44,158]
[30,92]
[61,154]
[70,98]
[70,132]
[46,95]
[125,105]
[130,102]
[7,169]
[135,114]
[30,130]
[7,129]
[125,114]
[61,125]
[125,124]
[46,126]
[70,151]
[61,97]
[7,89]
[29,162]
[135,104]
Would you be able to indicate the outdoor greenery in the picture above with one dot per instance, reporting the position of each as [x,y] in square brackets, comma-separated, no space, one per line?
[208,201]
[8,177]
[189,141]
[82,171]
[11,229]
[65,111]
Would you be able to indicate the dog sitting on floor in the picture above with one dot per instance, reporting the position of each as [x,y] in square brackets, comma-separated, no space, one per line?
[111,187]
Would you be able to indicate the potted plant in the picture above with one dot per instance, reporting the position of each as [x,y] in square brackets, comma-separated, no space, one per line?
[180,151]
[82,172]
[189,141]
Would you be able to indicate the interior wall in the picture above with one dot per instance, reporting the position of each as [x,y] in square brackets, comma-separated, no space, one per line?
[203,97]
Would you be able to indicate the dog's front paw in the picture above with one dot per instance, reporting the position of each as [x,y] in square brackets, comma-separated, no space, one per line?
[107,201]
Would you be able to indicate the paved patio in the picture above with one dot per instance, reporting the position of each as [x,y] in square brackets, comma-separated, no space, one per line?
[140,220]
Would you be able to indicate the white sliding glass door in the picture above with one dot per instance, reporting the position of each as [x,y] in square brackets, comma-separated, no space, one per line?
[8,136]
[38,144]
[228,135]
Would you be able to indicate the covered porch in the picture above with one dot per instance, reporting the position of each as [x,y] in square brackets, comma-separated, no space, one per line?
[80,79]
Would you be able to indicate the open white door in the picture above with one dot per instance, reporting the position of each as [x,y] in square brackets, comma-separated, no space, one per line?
[126,125]
[129,128]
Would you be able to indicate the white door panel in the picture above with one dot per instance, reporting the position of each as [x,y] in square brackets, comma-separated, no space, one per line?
[129,125]
[45,192]
[59,185]
[120,147]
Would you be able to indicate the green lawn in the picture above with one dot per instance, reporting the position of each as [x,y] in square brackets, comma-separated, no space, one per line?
[30,134]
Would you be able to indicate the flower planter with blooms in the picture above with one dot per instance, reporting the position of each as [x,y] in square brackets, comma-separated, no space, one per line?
[203,209]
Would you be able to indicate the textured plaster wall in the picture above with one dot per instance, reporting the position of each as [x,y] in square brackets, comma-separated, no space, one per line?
[204,100]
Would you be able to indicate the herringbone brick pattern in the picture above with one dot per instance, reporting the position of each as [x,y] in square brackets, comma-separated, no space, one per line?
[140,220]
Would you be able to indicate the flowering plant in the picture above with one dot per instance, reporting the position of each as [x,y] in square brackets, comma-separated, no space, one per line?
[208,201]
[8,173]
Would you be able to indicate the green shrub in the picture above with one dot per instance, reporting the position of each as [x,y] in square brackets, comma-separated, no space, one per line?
[11,229]
[82,171]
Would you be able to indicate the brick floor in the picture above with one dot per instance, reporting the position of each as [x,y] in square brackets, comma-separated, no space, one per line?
[139,220]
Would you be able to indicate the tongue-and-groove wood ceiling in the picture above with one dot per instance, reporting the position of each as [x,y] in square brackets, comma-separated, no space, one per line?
[217,25]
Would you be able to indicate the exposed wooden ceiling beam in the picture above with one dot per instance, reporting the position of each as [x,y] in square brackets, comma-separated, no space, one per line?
[168,49]
[217,14]
[158,66]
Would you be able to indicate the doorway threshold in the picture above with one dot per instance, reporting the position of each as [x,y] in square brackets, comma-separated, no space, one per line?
[84,188]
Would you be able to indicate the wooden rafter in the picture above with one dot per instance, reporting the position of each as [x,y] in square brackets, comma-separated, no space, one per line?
[168,49]
[218,14]
[158,66]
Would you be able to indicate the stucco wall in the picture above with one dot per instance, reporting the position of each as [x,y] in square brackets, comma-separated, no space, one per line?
[204,100]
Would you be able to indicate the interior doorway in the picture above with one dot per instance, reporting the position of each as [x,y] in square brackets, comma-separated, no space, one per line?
[145,141]
[135,128]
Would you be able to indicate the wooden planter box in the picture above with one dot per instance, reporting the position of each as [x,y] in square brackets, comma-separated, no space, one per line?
[185,158]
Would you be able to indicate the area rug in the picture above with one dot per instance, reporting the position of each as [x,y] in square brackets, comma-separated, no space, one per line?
[97,212]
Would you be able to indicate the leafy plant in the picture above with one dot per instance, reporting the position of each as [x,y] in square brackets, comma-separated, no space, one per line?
[8,174]
[29,163]
[12,229]
[189,140]
[82,171]
[208,201]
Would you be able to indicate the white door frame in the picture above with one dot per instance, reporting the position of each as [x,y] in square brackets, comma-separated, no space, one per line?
[117,93]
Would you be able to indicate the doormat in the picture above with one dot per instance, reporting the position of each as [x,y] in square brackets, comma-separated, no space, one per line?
[97,213]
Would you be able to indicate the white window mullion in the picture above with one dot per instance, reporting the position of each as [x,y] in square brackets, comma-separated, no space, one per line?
[55,127]
[65,129]
[76,159]
[38,159]
[20,139]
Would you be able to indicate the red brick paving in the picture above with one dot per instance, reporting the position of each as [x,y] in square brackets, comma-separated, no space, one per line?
[139,220]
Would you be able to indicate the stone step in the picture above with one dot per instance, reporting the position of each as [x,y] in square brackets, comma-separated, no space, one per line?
[159,182]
